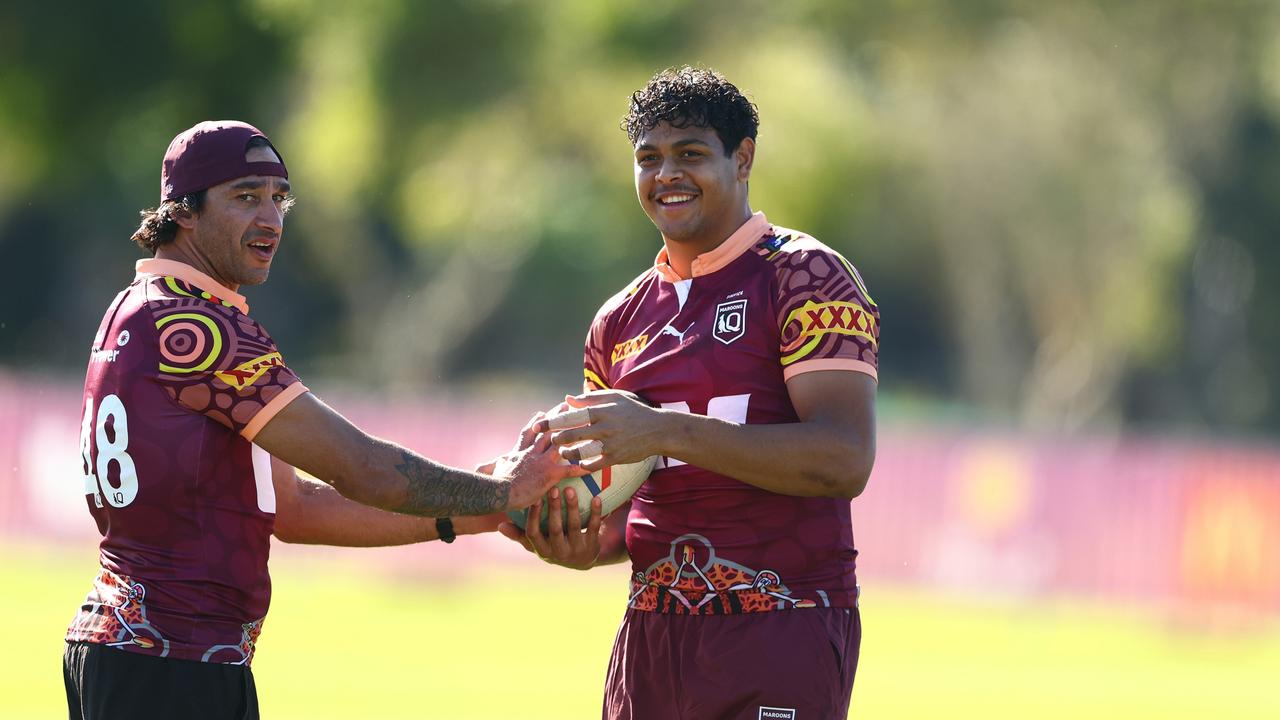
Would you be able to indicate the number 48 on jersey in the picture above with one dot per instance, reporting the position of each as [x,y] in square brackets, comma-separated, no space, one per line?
[94,434]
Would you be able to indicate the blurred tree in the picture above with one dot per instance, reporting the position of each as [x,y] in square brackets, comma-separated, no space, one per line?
[1054,216]
[1061,206]
[89,98]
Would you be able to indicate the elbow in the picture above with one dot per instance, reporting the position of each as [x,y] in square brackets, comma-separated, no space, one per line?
[366,493]
[853,486]
[845,487]
[356,481]
[294,515]
[854,473]
[351,488]
[355,469]
[839,483]
[285,529]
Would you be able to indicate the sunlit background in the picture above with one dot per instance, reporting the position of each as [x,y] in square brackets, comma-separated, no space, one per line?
[1067,212]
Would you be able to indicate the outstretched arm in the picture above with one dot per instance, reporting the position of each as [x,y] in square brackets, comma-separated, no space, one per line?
[310,512]
[310,435]
[829,453]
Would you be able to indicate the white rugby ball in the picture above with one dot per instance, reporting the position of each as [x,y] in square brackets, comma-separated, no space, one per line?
[614,485]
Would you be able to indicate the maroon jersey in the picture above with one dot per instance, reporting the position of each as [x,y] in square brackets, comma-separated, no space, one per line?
[180,380]
[766,305]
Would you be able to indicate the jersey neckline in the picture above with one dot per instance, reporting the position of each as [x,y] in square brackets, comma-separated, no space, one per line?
[158,267]
[742,239]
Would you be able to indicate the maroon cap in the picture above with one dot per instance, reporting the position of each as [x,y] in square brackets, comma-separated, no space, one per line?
[210,153]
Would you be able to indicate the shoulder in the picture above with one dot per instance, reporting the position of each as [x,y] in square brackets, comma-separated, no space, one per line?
[801,262]
[170,297]
[790,250]
[196,332]
[619,300]
[173,302]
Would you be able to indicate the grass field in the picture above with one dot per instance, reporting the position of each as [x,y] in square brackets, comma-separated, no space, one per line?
[346,642]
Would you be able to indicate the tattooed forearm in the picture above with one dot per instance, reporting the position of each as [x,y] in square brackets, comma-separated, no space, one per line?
[437,491]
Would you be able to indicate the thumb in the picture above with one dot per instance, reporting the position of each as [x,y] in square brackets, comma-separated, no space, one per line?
[511,532]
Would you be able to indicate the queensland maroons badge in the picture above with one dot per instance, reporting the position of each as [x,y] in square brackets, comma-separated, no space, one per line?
[731,321]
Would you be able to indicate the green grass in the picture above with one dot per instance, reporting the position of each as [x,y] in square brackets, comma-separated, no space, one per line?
[344,642]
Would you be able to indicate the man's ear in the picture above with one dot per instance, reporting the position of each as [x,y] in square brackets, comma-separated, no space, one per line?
[746,157]
[184,217]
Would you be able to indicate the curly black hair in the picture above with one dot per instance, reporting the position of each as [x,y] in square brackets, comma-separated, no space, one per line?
[692,97]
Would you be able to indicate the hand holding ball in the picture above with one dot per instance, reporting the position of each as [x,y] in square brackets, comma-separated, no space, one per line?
[614,484]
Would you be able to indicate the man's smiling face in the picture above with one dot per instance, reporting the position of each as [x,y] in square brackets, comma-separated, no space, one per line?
[692,191]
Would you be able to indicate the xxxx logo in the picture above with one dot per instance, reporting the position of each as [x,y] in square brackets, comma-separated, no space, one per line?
[626,349]
[248,372]
[844,318]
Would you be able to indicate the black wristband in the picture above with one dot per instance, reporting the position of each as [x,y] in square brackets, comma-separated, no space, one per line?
[444,527]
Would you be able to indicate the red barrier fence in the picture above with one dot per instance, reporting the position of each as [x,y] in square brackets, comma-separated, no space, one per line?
[1131,519]
[986,512]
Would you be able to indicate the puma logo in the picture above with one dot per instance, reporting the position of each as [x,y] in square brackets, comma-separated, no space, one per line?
[669,330]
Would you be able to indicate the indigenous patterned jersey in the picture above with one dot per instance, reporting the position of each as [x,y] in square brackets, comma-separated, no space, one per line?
[766,305]
[180,380]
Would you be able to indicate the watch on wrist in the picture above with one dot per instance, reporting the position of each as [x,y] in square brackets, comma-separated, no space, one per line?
[444,528]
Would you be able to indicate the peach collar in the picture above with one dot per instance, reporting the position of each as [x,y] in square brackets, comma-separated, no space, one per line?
[726,252]
[187,274]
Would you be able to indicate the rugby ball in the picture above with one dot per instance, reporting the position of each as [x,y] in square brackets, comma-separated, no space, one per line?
[614,485]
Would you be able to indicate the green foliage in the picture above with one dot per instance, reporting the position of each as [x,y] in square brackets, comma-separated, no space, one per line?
[1026,186]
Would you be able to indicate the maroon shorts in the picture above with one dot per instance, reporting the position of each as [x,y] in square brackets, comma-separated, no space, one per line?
[785,665]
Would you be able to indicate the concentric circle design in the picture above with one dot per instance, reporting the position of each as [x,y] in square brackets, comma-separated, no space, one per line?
[179,337]
[189,342]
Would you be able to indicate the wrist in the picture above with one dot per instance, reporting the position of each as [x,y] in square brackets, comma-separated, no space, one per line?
[477,524]
[445,530]
[671,434]
[612,550]
[610,556]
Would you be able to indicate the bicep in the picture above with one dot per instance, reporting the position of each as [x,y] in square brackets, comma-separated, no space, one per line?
[842,400]
[839,406]
[310,435]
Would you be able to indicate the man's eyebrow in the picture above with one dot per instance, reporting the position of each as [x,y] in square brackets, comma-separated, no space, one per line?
[252,184]
[678,144]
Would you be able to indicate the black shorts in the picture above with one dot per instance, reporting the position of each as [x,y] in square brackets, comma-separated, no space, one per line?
[104,683]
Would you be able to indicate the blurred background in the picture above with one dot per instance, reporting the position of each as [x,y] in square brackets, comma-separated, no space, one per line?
[1065,210]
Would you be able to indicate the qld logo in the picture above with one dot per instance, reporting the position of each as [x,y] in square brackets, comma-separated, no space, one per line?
[731,321]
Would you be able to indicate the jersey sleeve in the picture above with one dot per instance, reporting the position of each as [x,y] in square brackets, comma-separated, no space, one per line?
[595,357]
[826,318]
[222,364]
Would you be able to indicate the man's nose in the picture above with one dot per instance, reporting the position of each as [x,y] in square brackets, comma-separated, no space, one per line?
[669,171]
[271,216]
